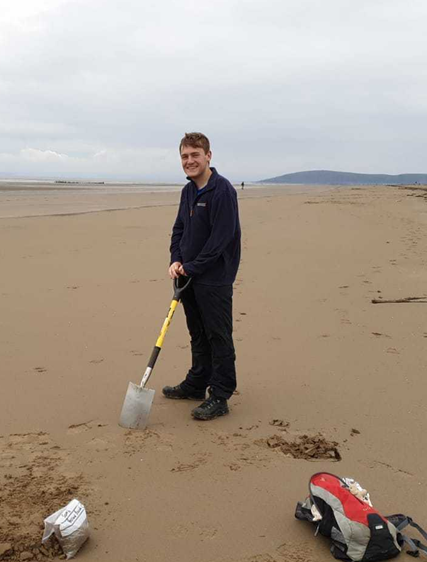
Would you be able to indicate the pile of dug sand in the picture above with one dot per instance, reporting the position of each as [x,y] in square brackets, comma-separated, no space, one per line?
[32,487]
[306,447]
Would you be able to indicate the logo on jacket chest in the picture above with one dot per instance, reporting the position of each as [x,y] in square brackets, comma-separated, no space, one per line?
[197,205]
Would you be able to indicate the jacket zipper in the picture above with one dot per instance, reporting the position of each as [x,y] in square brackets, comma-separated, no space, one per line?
[196,199]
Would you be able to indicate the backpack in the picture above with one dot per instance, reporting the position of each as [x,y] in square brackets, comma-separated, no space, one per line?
[359,533]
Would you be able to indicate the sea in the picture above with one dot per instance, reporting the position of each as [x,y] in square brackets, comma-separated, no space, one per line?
[36,198]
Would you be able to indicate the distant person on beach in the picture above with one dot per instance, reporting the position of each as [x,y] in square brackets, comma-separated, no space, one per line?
[205,245]
[243,185]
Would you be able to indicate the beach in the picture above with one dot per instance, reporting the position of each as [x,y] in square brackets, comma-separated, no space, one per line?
[83,294]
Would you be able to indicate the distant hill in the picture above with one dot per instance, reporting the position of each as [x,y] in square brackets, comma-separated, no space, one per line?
[328,177]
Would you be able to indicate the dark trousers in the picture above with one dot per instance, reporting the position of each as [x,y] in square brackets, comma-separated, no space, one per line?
[208,311]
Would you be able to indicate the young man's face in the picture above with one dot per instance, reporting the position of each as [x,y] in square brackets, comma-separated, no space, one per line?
[195,162]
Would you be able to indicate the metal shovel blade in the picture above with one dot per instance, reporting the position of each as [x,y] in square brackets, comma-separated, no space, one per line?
[136,407]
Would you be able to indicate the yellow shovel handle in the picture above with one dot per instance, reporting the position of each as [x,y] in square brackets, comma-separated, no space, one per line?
[166,323]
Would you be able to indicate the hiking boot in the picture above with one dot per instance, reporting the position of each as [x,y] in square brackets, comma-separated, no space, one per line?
[212,407]
[178,393]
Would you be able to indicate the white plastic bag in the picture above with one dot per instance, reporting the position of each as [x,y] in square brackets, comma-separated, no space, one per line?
[70,526]
[357,490]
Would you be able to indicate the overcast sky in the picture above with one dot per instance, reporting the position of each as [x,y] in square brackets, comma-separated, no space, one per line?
[107,88]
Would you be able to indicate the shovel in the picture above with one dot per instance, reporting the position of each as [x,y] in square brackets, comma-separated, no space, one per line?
[137,405]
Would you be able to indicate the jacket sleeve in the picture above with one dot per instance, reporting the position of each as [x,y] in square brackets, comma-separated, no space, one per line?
[177,230]
[224,222]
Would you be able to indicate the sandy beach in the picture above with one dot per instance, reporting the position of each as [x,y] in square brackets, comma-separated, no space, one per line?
[82,298]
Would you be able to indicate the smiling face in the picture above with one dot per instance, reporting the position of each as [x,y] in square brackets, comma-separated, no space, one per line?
[195,162]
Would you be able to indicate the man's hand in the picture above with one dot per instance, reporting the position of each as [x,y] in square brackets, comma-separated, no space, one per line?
[182,271]
[174,270]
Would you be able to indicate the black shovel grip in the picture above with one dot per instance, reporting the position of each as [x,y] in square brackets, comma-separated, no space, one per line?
[153,358]
[179,286]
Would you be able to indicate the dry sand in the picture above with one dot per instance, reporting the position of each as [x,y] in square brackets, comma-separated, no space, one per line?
[82,299]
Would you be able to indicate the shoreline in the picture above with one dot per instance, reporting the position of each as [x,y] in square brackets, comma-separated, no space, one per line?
[40,201]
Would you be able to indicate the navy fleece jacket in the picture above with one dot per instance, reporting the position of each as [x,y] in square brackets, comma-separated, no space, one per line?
[206,234]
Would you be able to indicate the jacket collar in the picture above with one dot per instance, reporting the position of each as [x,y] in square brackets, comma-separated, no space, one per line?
[211,182]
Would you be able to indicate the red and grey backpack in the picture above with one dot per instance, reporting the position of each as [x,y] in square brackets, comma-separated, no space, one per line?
[358,531]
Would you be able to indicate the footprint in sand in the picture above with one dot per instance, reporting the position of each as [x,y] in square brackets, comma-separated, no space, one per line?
[180,531]
[136,441]
[29,440]
[233,466]
[238,450]
[33,451]
[187,467]
[99,444]
[295,553]
[208,533]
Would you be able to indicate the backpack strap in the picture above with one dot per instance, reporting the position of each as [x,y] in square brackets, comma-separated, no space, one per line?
[420,546]
[414,544]
[408,521]
[413,550]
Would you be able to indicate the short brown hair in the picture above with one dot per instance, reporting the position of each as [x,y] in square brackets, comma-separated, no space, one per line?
[198,140]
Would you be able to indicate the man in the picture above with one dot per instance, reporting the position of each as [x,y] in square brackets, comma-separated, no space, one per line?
[205,245]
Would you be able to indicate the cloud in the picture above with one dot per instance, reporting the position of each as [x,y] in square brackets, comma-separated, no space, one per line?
[45,156]
[274,84]
[151,164]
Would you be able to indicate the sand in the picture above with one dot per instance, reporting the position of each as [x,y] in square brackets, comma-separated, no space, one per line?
[82,298]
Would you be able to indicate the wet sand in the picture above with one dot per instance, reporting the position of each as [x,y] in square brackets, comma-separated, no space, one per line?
[82,298]
[35,199]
